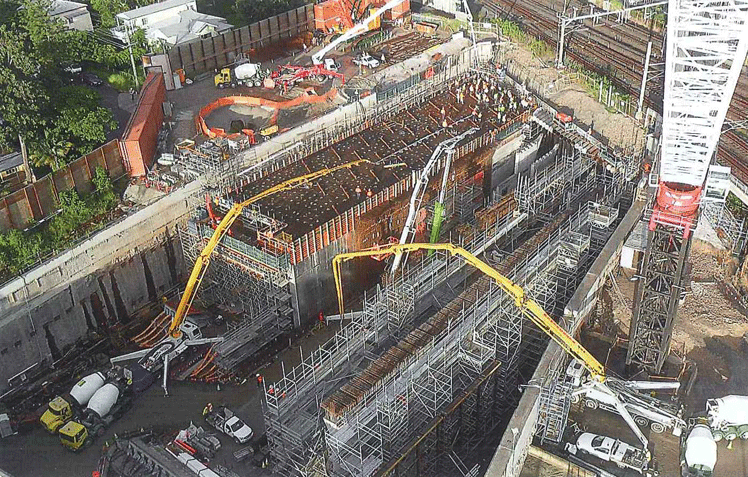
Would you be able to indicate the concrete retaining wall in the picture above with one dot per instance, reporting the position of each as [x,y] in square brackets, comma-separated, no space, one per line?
[511,454]
[99,283]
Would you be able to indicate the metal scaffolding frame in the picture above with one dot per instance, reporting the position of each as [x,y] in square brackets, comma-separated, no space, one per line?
[570,176]
[293,421]
[721,219]
[488,327]
[248,281]
[656,296]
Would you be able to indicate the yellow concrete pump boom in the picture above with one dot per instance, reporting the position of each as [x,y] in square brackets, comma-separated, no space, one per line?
[529,307]
[201,264]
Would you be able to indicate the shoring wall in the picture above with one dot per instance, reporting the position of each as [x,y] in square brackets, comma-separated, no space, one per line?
[207,54]
[141,133]
[38,201]
[254,101]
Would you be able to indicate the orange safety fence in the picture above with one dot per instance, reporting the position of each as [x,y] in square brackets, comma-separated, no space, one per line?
[253,101]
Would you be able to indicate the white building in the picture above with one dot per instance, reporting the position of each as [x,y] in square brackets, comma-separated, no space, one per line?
[74,15]
[170,22]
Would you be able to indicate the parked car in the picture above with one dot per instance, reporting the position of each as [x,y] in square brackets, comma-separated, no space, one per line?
[91,79]
[73,68]
[366,60]
[226,421]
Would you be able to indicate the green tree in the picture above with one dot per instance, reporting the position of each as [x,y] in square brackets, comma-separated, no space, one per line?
[22,94]
[58,121]
[108,9]
[251,11]
[82,118]
[104,189]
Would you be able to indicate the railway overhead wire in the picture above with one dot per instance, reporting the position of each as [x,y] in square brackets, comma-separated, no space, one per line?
[618,51]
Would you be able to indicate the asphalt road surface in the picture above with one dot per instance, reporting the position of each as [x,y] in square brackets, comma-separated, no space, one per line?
[39,454]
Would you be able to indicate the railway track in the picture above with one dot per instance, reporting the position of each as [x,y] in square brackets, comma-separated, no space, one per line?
[599,49]
[617,51]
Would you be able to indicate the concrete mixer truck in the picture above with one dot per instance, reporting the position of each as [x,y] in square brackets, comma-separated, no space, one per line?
[728,417]
[698,451]
[245,74]
[62,408]
[107,405]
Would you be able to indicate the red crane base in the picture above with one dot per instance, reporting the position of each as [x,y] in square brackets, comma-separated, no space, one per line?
[676,206]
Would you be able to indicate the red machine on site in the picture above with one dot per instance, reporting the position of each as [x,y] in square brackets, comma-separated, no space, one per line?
[288,75]
[706,49]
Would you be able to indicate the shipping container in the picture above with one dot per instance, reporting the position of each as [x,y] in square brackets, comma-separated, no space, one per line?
[141,133]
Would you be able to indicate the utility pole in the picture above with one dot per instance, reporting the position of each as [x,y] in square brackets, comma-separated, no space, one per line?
[644,80]
[560,59]
[26,165]
[132,58]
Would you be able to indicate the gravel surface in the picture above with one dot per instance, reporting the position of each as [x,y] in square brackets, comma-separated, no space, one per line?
[706,312]
[620,130]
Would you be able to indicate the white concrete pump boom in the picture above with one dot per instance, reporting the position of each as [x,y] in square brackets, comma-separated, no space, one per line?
[419,188]
[469,16]
[354,31]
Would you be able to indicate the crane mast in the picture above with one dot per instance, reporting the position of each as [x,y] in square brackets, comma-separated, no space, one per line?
[707,43]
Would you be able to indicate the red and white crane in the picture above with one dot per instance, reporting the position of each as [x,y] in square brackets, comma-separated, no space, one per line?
[707,42]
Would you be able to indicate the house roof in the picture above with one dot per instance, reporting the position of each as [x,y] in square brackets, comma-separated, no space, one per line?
[9,160]
[153,8]
[60,7]
[185,26]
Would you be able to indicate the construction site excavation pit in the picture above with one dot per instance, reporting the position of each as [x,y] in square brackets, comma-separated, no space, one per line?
[524,192]
[251,117]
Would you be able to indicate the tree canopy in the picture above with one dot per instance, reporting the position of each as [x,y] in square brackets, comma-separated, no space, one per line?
[251,11]
[58,120]
[78,216]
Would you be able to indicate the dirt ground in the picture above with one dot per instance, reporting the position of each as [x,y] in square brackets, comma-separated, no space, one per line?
[254,117]
[708,332]
[706,312]
[620,130]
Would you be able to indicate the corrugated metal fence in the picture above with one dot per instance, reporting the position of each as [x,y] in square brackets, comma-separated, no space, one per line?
[206,54]
[38,201]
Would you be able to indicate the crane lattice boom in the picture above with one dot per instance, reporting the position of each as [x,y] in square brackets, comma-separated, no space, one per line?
[707,43]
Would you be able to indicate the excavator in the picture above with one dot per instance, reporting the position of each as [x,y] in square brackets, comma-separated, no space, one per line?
[181,332]
[610,386]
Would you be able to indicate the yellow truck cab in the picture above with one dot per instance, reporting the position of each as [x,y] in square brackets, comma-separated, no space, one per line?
[60,409]
[58,413]
[223,77]
[73,435]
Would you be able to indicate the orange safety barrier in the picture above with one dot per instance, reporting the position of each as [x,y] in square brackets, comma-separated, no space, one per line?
[253,101]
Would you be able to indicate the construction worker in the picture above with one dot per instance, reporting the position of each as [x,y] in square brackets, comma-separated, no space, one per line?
[259,380]
[271,390]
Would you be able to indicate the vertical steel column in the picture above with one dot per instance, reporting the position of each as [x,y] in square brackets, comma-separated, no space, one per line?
[656,297]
